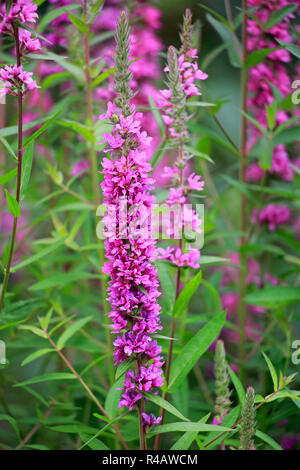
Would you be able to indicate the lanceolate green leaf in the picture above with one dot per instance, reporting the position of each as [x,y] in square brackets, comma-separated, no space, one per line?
[272,372]
[274,296]
[12,422]
[227,37]
[167,286]
[237,385]
[8,176]
[71,330]
[166,405]
[186,294]
[279,15]
[292,48]
[36,355]
[26,168]
[194,349]
[183,427]
[127,364]
[41,254]
[264,437]
[185,441]
[12,205]
[47,378]
[113,398]
[55,13]
[45,126]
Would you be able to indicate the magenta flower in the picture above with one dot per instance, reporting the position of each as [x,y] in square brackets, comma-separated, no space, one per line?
[273,215]
[21,11]
[195,183]
[15,78]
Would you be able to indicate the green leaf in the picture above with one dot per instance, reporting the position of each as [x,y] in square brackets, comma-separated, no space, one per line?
[237,385]
[242,187]
[159,401]
[78,23]
[229,421]
[8,176]
[45,126]
[279,15]
[54,79]
[8,148]
[198,154]
[47,378]
[113,398]
[185,441]
[74,70]
[287,136]
[94,444]
[36,355]
[74,429]
[103,76]
[71,330]
[26,168]
[184,427]
[264,437]
[256,57]
[292,48]
[167,286]
[124,368]
[12,205]
[12,422]
[274,296]
[79,128]
[227,37]
[55,13]
[214,136]
[213,260]
[186,294]
[41,254]
[272,371]
[157,117]
[191,352]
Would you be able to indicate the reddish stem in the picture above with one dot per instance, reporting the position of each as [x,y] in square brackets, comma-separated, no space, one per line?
[19,172]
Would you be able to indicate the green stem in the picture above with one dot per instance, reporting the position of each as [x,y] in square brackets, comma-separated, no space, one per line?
[19,175]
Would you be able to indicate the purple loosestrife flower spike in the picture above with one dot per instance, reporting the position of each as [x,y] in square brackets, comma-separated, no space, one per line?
[183,72]
[222,383]
[247,427]
[133,285]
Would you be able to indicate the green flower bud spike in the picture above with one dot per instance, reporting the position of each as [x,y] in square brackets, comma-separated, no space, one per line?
[222,383]
[247,427]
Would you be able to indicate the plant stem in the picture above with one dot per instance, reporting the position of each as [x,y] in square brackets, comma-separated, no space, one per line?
[35,428]
[243,215]
[86,387]
[96,190]
[19,174]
